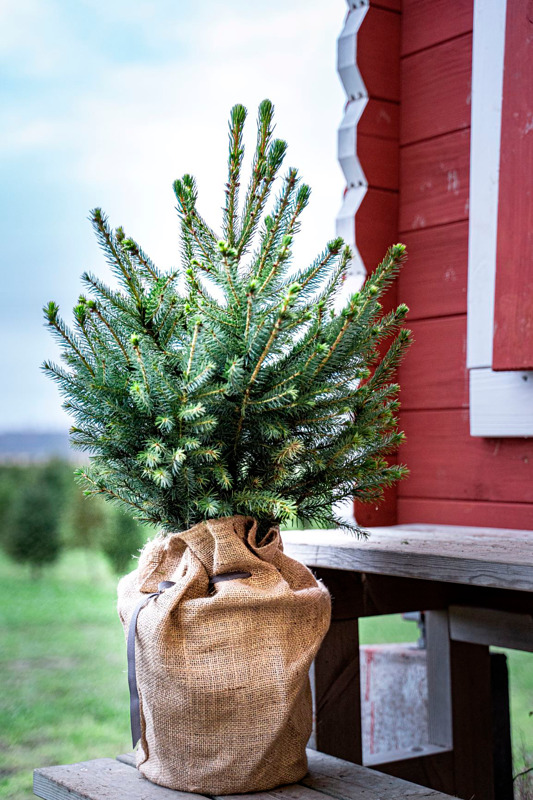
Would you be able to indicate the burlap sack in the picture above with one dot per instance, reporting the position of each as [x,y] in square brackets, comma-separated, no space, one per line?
[222,670]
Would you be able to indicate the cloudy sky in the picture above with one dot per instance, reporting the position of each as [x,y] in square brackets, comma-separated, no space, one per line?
[105,103]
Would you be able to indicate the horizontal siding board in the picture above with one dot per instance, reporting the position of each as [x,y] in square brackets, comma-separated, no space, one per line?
[513,312]
[447,463]
[381,118]
[433,281]
[434,177]
[376,226]
[379,161]
[436,90]
[433,373]
[391,5]
[425,23]
[378,53]
[457,512]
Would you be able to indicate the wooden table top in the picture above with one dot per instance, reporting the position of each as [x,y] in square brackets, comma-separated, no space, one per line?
[492,557]
[328,777]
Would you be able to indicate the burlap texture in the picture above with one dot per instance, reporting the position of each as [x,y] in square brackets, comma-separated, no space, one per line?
[223,677]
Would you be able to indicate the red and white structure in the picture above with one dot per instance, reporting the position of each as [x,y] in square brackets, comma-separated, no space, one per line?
[436,145]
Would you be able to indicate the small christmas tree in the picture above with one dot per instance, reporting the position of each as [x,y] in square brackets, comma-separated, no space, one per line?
[242,391]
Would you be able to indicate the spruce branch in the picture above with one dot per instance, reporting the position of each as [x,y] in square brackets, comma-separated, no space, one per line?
[235,385]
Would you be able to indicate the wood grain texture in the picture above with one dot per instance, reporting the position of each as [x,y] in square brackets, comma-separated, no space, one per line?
[430,766]
[501,403]
[501,727]
[460,512]
[335,677]
[433,281]
[472,721]
[447,463]
[513,310]
[491,627]
[378,53]
[439,681]
[434,178]
[447,553]
[426,23]
[106,779]
[436,90]
[100,779]
[345,781]
[433,373]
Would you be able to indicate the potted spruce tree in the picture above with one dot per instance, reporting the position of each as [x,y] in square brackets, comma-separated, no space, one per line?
[219,401]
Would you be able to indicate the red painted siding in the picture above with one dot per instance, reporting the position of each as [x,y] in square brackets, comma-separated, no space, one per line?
[434,279]
[429,376]
[438,78]
[376,221]
[455,478]
[426,23]
[447,463]
[434,177]
[513,313]
[458,512]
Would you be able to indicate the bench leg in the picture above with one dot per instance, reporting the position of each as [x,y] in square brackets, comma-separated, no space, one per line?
[472,720]
[335,676]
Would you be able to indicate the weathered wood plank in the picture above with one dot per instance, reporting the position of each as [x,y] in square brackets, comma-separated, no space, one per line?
[436,90]
[433,282]
[439,680]
[100,779]
[473,556]
[293,791]
[430,766]
[463,512]
[345,781]
[335,676]
[425,24]
[434,375]
[434,177]
[501,727]
[491,627]
[472,721]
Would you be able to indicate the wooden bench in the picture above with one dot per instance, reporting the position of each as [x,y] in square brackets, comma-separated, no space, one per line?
[475,586]
[109,779]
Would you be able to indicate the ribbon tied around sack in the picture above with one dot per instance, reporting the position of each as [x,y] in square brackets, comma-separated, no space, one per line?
[135,710]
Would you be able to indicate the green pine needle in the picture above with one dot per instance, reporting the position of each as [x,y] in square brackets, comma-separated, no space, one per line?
[234,386]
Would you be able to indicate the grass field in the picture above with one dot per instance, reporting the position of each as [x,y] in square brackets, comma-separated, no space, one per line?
[63,695]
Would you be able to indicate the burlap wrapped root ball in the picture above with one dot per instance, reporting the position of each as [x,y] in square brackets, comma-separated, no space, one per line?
[222,671]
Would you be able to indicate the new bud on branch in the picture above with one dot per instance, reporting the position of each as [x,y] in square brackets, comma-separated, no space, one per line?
[239,390]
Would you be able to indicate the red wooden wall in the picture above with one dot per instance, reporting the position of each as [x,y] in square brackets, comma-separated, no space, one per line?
[513,316]
[455,478]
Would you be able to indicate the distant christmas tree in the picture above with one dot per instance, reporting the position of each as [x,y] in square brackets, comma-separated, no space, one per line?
[121,540]
[32,522]
[242,392]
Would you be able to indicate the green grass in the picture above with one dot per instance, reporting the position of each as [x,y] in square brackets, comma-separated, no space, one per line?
[64,694]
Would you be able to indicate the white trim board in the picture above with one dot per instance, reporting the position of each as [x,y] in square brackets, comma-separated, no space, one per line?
[500,402]
[357,185]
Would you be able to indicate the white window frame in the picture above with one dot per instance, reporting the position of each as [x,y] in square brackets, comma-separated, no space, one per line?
[501,403]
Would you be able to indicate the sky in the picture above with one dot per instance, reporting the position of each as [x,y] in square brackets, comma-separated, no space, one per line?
[105,104]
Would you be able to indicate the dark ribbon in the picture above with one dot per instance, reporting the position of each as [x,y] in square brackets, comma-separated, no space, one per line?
[135,710]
